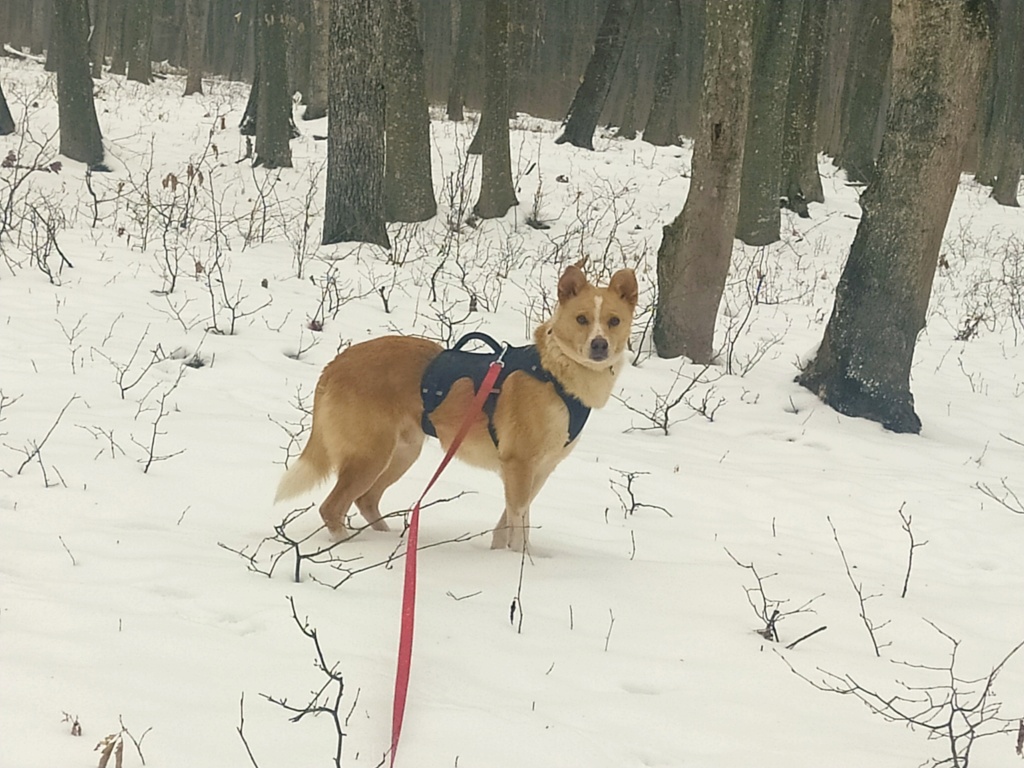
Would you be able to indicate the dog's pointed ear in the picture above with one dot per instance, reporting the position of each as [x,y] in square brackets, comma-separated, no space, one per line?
[624,284]
[571,283]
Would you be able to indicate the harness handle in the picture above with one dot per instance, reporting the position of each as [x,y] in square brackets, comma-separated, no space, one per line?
[498,349]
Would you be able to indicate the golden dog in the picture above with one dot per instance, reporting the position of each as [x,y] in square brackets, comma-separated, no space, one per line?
[368,410]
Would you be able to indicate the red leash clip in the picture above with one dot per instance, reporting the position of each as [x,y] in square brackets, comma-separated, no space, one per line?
[411,547]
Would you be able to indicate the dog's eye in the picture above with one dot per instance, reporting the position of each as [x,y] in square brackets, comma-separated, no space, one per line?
[582,319]
[614,321]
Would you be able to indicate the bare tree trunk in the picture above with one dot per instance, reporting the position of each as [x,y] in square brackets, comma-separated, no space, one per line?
[408,187]
[777,29]
[661,129]
[6,121]
[629,124]
[116,37]
[247,125]
[693,259]
[862,367]
[581,122]
[98,41]
[864,90]
[470,26]
[1008,104]
[138,39]
[80,137]
[195,27]
[801,181]
[316,98]
[354,207]
[838,37]
[41,19]
[497,194]
[273,103]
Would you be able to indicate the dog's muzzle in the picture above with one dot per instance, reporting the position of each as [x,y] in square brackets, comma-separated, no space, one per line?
[599,349]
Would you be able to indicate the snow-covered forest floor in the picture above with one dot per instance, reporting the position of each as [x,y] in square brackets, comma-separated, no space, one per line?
[161,330]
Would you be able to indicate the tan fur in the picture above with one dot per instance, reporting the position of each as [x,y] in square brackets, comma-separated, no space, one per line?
[367,408]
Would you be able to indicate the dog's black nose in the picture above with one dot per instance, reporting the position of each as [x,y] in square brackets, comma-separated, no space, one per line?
[599,348]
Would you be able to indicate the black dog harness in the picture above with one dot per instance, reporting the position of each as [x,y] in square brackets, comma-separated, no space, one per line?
[454,364]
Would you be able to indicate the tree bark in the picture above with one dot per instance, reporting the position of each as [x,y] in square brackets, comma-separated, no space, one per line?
[250,115]
[42,17]
[776,30]
[838,43]
[629,124]
[862,367]
[116,37]
[273,102]
[497,194]
[864,90]
[1008,105]
[408,186]
[661,129]
[98,41]
[195,27]
[693,259]
[585,111]
[354,207]
[138,39]
[316,98]
[6,120]
[801,181]
[80,137]
[470,26]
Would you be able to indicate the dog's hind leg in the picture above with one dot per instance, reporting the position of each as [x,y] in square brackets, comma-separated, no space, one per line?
[356,476]
[404,456]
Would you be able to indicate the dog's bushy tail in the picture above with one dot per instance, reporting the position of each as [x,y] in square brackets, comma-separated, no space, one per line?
[310,468]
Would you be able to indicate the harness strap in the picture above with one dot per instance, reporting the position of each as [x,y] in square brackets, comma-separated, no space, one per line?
[454,364]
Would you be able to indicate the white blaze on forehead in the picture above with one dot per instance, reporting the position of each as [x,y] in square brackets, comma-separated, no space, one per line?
[597,317]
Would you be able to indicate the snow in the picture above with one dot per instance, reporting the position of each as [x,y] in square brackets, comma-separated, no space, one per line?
[123,599]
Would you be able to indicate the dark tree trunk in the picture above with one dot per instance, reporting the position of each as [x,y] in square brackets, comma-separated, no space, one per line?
[247,125]
[835,65]
[408,187]
[629,124]
[298,34]
[42,16]
[497,194]
[80,137]
[470,28]
[581,122]
[354,208]
[98,41]
[1007,123]
[865,90]
[273,103]
[693,259]
[6,121]
[138,39]
[661,129]
[316,97]
[116,37]
[862,367]
[801,181]
[52,48]
[777,28]
[195,26]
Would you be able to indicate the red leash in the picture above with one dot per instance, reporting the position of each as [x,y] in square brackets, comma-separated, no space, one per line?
[411,544]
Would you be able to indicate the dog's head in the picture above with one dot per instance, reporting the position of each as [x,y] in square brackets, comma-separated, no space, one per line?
[591,324]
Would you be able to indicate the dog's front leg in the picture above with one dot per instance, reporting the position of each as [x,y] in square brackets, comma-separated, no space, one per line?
[511,530]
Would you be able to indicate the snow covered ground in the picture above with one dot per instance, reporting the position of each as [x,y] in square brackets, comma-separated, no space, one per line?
[142,442]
